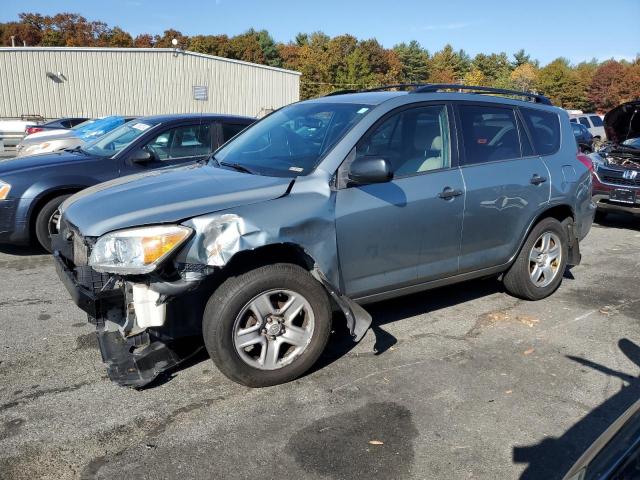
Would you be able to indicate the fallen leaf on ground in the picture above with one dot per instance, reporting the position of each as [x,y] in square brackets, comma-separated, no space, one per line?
[529,352]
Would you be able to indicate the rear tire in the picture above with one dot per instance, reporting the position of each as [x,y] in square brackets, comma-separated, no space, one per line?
[249,308]
[537,271]
[45,221]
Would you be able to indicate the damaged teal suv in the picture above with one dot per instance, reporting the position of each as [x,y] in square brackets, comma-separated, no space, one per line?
[324,205]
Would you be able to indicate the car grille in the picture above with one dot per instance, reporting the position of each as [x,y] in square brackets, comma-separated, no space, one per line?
[621,181]
[77,256]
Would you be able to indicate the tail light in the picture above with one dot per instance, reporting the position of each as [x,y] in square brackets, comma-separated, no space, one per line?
[30,130]
[585,160]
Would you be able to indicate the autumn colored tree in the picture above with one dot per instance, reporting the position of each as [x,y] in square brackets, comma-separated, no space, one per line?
[524,77]
[144,40]
[165,40]
[218,45]
[605,85]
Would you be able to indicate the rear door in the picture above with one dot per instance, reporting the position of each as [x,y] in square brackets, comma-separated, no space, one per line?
[405,231]
[506,183]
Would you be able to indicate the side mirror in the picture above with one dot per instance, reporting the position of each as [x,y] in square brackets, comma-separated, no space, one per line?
[141,156]
[368,170]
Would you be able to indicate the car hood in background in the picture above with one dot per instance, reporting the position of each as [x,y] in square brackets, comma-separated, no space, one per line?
[42,160]
[166,195]
[623,122]
[37,138]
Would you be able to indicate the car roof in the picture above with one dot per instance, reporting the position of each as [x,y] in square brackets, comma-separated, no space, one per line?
[377,98]
[194,116]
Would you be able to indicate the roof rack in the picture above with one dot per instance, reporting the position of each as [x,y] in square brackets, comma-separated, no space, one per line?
[436,87]
[376,89]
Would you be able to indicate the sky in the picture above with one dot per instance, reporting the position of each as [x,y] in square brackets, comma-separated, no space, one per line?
[576,29]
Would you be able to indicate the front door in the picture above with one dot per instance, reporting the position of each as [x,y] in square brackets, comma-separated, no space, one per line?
[507,184]
[175,146]
[405,231]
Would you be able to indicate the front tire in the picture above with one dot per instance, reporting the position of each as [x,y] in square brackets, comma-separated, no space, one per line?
[537,271]
[267,326]
[46,221]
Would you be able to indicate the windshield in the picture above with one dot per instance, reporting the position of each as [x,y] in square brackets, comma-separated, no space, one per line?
[97,128]
[119,138]
[291,141]
[632,143]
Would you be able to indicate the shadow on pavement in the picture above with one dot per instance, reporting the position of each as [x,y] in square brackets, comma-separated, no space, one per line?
[22,250]
[401,308]
[553,457]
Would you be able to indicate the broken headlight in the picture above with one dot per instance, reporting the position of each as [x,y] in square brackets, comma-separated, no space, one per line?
[138,250]
[5,188]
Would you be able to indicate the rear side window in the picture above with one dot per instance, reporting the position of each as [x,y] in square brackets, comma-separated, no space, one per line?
[573,120]
[596,120]
[584,121]
[489,133]
[230,130]
[544,128]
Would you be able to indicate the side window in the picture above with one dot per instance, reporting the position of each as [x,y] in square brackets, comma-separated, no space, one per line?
[181,142]
[545,129]
[576,129]
[489,133]
[66,124]
[230,130]
[584,121]
[596,120]
[413,141]
[573,120]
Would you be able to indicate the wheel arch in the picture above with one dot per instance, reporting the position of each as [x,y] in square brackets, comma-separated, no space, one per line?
[44,197]
[564,213]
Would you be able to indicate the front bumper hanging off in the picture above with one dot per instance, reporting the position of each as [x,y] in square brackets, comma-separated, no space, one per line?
[131,360]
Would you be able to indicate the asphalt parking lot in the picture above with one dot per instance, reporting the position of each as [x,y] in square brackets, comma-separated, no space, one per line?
[463,382]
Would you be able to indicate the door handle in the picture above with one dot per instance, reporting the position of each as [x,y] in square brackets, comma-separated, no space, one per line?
[537,179]
[448,193]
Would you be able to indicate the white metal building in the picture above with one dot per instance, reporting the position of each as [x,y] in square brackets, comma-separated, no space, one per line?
[55,82]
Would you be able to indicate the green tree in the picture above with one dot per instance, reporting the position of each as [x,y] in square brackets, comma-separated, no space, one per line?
[165,40]
[218,45]
[414,62]
[448,66]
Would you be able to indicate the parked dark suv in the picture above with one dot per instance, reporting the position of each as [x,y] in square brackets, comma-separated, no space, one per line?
[343,200]
[33,187]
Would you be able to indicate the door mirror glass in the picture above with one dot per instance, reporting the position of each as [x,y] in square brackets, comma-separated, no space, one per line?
[366,170]
[141,156]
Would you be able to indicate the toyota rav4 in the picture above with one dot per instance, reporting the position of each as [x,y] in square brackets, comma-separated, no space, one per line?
[324,205]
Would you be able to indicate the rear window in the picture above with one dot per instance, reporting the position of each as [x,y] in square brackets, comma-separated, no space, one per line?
[596,120]
[489,134]
[544,128]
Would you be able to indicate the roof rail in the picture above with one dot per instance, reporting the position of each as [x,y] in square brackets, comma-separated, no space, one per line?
[436,87]
[376,89]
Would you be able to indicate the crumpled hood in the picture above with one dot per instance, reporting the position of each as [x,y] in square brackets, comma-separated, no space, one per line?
[42,160]
[623,122]
[166,196]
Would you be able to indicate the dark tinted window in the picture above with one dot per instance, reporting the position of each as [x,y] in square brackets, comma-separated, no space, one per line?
[573,120]
[230,130]
[66,123]
[544,128]
[489,133]
[596,120]
[584,121]
[576,129]
[413,141]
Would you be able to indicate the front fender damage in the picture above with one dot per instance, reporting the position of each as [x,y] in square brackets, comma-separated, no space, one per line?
[304,218]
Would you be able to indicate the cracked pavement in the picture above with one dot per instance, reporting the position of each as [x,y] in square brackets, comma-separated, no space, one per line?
[461,382]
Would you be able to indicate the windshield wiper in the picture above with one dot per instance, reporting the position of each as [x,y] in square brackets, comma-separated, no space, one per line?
[76,149]
[235,166]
